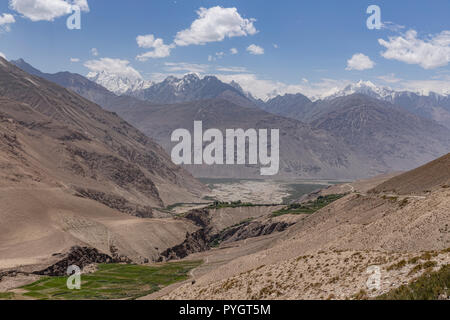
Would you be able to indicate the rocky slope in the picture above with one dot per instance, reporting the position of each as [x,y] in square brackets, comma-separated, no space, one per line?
[361,136]
[304,151]
[430,177]
[226,225]
[385,133]
[72,174]
[429,105]
[84,147]
[329,253]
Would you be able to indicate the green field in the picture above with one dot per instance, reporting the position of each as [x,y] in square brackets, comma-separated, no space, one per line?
[6,295]
[309,207]
[236,204]
[112,281]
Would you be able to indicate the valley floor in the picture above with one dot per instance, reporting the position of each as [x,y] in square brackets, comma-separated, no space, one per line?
[360,246]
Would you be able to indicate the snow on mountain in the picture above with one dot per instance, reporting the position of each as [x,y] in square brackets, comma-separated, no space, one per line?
[382,93]
[367,88]
[118,84]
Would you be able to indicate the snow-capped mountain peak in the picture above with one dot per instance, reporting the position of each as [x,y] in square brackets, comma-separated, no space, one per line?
[364,87]
[119,84]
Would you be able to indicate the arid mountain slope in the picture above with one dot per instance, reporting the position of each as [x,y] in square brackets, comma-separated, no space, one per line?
[83,87]
[38,222]
[397,138]
[72,173]
[432,176]
[73,142]
[385,133]
[304,151]
[290,105]
[328,253]
[171,90]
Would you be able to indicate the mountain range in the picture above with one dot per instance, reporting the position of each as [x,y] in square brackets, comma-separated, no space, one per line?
[432,106]
[192,88]
[348,136]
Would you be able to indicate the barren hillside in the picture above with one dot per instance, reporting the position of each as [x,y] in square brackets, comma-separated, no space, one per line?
[74,174]
[327,253]
[433,175]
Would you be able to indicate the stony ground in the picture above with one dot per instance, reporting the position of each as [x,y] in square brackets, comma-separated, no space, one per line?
[321,275]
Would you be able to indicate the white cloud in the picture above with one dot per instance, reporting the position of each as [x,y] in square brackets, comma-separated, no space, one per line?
[215,24]
[266,88]
[212,25]
[275,46]
[427,86]
[232,69]
[46,10]
[359,62]
[389,25]
[5,20]
[161,50]
[74,60]
[429,53]
[389,78]
[187,67]
[217,55]
[254,49]
[94,52]
[113,66]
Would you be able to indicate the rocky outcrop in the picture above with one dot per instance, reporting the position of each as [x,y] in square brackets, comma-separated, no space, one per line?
[207,238]
[116,202]
[81,257]
[195,242]
[250,230]
[200,217]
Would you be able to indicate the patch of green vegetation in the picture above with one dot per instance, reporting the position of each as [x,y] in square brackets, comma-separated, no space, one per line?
[397,266]
[6,295]
[429,286]
[309,207]
[113,281]
[298,190]
[236,204]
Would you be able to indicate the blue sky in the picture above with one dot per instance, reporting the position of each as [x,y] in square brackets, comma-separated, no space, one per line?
[303,46]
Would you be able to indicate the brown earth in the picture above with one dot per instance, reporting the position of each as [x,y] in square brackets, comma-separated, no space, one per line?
[431,176]
[374,229]
[53,136]
[73,174]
